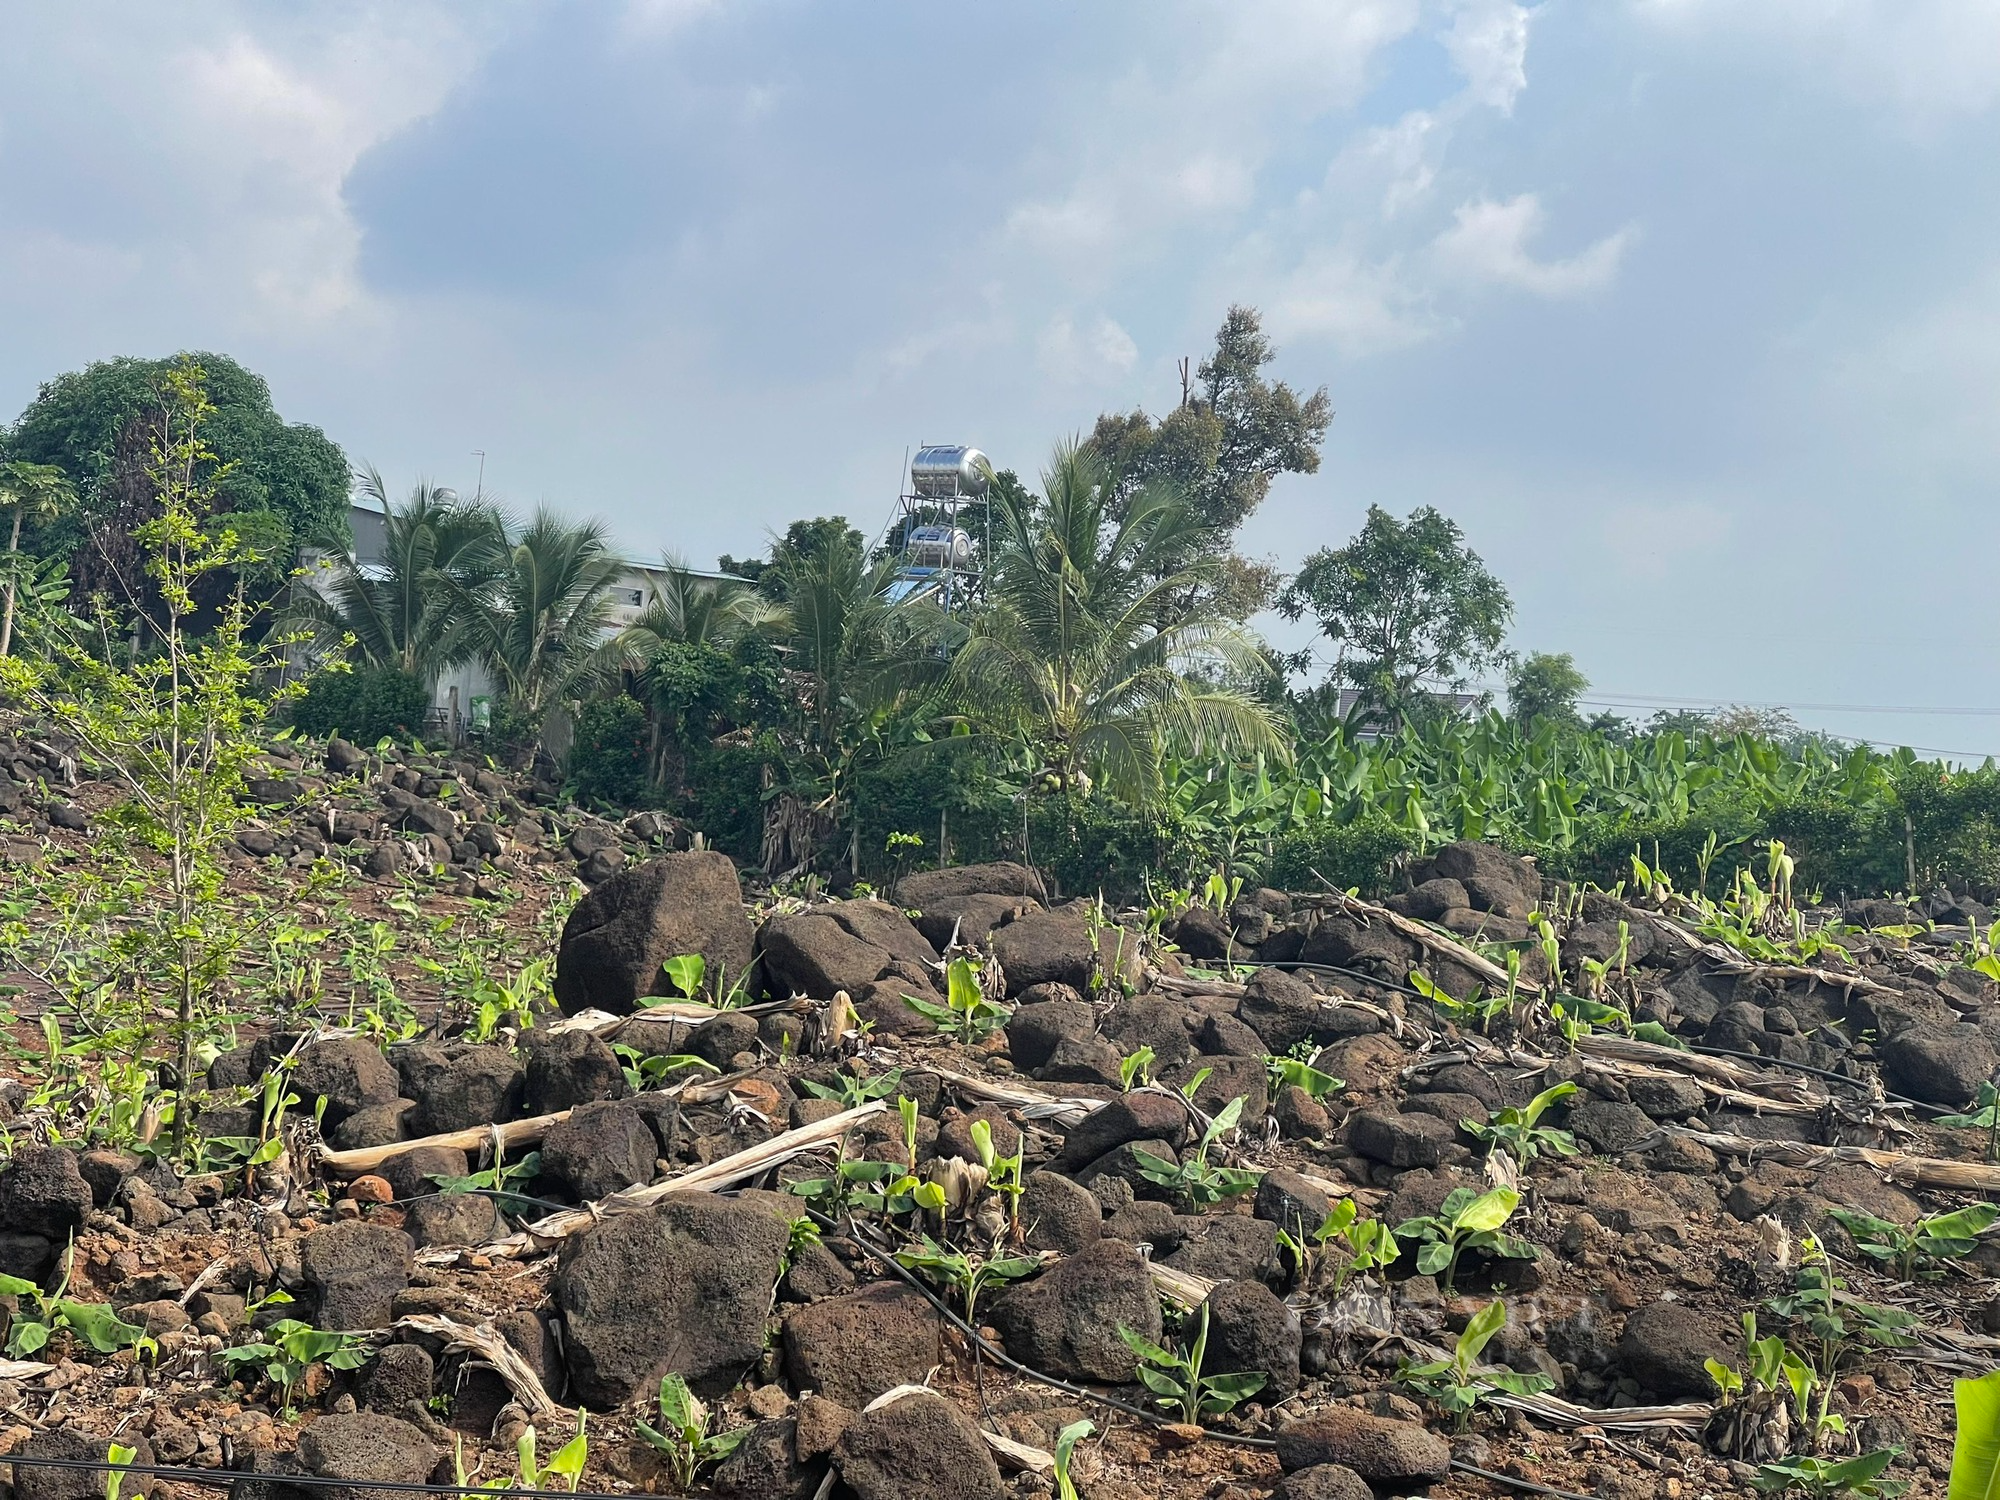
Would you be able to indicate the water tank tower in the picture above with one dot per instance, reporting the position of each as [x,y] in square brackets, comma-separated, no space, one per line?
[940,558]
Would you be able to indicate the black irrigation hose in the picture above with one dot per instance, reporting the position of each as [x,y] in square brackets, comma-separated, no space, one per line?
[1361,974]
[1532,1486]
[1798,1067]
[1756,1057]
[1000,1356]
[1153,1419]
[218,1479]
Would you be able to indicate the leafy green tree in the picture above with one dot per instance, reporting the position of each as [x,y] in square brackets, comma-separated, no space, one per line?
[536,613]
[1545,686]
[1410,608]
[863,675]
[174,729]
[1234,432]
[399,613]
[608,753]
[803,541]
[1098,640]
[365,703]
[1765,722]
[844,634]
[1613,727]
[1690,724]
[39,490]
[699,652]
[283,484]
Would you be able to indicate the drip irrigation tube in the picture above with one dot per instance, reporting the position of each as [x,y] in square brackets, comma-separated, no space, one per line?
[1000,1356]
[1827,1073]
[1531,1486]
[219,1479]
[1154,1419]
[1756,1057]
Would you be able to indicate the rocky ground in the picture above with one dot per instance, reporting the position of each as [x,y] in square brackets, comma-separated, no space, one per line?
[721,1241]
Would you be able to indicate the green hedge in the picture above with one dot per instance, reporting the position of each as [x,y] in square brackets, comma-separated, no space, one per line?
[607,754]
[725,795]
[1348,855]
[1087,845]
[366,705]
[944,788]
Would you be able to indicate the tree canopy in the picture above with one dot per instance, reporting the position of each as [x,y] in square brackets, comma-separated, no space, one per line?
[1094,645]
[1234,432]
[1408,605]
[1542,685]
[396,613]
[284,484]
[804,542]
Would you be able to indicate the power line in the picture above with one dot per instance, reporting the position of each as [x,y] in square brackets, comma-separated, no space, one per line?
[1663,700]
[1613,699]
[1648,700]
[222,1479]
[1669,700]
[1927,749]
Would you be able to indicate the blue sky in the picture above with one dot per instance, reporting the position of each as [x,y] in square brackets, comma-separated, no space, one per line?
[1687,310]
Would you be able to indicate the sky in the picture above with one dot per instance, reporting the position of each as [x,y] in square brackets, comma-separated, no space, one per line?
[1688,311]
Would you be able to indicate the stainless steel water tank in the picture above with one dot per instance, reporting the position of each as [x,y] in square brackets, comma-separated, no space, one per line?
[940,547]
[945,470]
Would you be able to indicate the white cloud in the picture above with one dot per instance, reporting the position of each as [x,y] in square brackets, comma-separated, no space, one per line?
[1181,135]
[1929,60]
[1395,164]
[1488,44]
[650,20]
[1210,182]
[1489,243]
[945,338]
[1069,225]
[1094,354]
[1360,308]
[229,142]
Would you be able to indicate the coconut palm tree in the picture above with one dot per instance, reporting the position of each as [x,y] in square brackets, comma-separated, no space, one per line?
[683,656]
[868,669]
[40,490]
[847,638]
[539,615]
[398,612]
[1095,645]
[685,607]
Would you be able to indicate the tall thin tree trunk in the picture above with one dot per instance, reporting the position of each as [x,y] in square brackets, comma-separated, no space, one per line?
[13,555]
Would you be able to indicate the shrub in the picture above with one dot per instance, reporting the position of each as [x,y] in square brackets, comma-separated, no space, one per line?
[1361,853]
[725,794]
[950,781]
[366,705]
[1096,843]
[607,755]
[1954,826]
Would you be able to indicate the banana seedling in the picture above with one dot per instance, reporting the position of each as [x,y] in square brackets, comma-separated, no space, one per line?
[1465,1221]
[1457,1384]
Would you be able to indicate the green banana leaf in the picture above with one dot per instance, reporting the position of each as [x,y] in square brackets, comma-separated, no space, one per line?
[1975,1453]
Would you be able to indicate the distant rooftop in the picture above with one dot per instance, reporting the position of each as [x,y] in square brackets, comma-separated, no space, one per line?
[367,524]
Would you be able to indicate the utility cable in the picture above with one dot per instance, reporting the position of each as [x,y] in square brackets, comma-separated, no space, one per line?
[1000,1356]
[1770,1062]
[220,1479]
[1154,1419]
